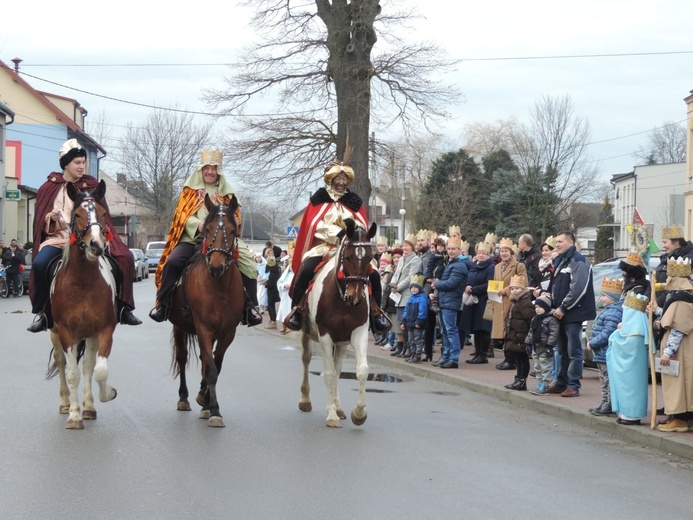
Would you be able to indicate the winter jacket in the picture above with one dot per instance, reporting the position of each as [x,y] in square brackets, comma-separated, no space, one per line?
[571,287]
[407,267]
[473,315]
[605,324]
[517,323]
[387,304]
[549,330]
[661,271]
[416,311]
[451,285]
[530,259]
[500,309]
[435,266]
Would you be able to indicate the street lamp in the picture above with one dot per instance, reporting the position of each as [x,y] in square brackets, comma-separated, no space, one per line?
[403,212]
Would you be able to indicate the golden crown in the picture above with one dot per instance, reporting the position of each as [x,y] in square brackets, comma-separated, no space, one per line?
[672,232]
[424,233]
[454,230]
[418,279]
[679,267]
[636,301]
[411,238]
[491,238]
[211,156]
[482,246]
[464,246]
[551,242]
[612,285]
[382,240]
[518,280]
[386,257]
[506,242]
[455,242]
[634,259]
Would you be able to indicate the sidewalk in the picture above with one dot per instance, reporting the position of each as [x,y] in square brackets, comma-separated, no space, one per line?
[486,379]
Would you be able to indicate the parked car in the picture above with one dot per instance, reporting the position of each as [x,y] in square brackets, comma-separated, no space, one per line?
[607,269]
[141,267]
[153,253]
[27,271]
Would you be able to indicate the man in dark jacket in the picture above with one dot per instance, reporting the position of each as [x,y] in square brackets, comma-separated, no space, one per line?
[450,288]
[529,255]
[12,258]
[573,298]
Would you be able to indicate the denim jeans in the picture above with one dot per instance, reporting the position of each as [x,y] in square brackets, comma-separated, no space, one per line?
[40,268]
[451,336]
[570,349]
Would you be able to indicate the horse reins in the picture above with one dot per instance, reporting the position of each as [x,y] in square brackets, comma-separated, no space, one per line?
[230,252]
[78,236]
[340,269]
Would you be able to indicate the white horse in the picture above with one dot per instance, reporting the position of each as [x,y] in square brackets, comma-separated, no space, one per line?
[338,312]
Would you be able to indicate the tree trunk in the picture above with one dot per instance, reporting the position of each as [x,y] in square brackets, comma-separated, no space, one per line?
[350,40]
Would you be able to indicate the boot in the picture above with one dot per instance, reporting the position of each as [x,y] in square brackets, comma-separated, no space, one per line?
[405,351]
[125,315]
[398,351]
[159,313]
[380,322]
[509,386]
[415,359]
[489,352]
[251,315]
[40,323]
[520,384]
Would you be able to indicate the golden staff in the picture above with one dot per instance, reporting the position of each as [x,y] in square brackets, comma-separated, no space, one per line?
[651,347]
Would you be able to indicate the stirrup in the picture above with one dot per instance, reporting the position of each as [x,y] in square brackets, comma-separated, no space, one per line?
[293,321]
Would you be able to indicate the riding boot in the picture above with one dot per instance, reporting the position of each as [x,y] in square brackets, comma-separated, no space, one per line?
[380,322]
[251,314]
[40,323]
[125,315]
[398,351]
[294,320]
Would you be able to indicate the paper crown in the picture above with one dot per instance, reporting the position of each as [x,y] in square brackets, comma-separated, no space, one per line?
[464,246]
[454,230]
[491,238]
[612,287]
[634,259]
[382,240]
[424,233]
[455,242]
[518,280]
[506,242]
[411,238]
[417,279]
[672,232]
[636,301]
[482,246]
[386,257]
[679,267]
[291,245]
[550,241]
[211,156]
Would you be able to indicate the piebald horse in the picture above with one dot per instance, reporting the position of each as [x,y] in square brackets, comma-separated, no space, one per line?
[83,304]
[207,306]
[338,311]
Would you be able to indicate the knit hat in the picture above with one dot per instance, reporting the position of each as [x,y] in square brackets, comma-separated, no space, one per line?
[386,258]
[69,151]
[612,288]
[417,281]
[544,301]
[397,251]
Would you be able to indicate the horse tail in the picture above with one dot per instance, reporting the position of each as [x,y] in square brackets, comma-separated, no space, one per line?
[52,369]
[191,347]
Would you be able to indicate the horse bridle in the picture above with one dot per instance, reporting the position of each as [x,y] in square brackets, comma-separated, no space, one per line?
[91,210]
[340,269]
[230,252]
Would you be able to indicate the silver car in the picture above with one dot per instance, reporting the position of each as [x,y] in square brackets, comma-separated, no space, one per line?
[141,268]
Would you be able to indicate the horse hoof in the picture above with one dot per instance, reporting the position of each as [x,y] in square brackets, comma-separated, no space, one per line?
[205,414]
[183,406]
[358,421]
[73,424]
[200,399]
[89,415]
[341,414]
[64,409]
[333,423]
[216,422]
[305,407]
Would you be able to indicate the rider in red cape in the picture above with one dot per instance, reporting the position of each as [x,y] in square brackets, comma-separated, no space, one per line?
[322,221]
[51,232]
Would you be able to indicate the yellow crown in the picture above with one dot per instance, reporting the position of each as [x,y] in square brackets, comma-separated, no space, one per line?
[382,240]
[454,230]
[455,242]
[482,246]
[424,233]
[518,280]
[636,301]
[506,242]
[211,156]
[417,279]
[679,267]
[386,257]
[634,259]
[551,242]
[464,246]
[491,238]
[672,232]
[411,238]
[612,285]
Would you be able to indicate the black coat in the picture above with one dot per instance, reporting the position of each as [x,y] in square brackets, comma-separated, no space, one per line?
[473,315]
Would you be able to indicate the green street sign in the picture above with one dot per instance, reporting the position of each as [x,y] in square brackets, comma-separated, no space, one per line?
[13,195]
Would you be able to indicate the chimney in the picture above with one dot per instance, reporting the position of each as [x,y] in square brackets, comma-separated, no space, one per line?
[16,62]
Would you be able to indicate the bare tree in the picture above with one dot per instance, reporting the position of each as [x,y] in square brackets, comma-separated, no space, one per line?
[159,156]
[315,61]
[666,144]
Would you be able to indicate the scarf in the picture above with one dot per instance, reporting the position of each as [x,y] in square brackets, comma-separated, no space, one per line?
[535,328]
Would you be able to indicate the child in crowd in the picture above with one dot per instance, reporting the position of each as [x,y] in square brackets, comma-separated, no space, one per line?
[605,324]
[541,338]
[517,322]
[414,319]
[434,269]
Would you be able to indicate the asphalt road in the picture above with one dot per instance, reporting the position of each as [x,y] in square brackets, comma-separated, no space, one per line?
[427,450]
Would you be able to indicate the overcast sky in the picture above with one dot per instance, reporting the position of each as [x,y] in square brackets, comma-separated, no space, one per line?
[619,96]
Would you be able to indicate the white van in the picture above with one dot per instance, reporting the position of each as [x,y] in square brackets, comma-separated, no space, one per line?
[153,253]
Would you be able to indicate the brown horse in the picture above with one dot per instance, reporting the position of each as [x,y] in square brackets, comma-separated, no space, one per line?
[83,303]
[338,309]
[208,306]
